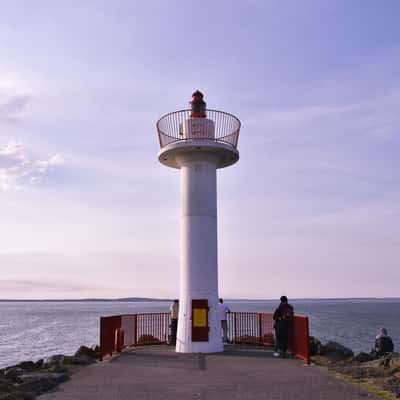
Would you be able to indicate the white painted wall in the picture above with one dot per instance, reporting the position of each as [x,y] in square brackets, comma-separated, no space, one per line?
[197,128]
[199,250]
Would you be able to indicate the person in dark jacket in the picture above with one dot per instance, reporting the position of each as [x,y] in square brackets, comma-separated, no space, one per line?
[383,344]
[282,321]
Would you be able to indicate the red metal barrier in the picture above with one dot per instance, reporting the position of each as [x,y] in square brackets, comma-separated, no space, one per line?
[258,328]
[120,331]
[117,332]
[108,327]
[299,338]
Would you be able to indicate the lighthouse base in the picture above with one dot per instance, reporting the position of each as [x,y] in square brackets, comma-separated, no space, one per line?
[187,342]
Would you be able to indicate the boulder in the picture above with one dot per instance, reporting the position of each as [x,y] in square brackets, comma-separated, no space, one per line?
[386,360]
[87,351]
[56,359]
[393,384]
[16,395]
[363,357]
[5,385]
[148,339]
[79,360]
[315,346]
[58,369]
[27,365]
[97,350]
[40,382]
[337,351]
[39,363]
[12,374]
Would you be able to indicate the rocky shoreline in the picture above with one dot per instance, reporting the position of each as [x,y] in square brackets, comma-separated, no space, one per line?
[378,376]
[28,379]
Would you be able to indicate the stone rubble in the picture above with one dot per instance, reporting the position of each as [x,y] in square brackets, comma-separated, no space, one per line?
[29,379]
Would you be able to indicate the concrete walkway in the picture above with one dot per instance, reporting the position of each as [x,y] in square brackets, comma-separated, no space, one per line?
[240,373]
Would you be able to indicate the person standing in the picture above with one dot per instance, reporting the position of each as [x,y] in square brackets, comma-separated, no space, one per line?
[282,318]
[223,311]
[174,312]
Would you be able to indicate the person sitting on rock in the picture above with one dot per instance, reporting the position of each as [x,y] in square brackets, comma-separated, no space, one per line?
[383,343]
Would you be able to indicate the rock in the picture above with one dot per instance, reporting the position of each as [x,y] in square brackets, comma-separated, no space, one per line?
[79,360]
[97,350]
[13,373]
[87,351]
[148,339]
[56,359]
[39,363]
[59,369]
[363,357]
[315,346]
[337,351]
[17,396]
[27,365]
[5,385]
[41,381]
[392,384]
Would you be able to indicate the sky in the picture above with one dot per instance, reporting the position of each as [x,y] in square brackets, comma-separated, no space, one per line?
[312,208]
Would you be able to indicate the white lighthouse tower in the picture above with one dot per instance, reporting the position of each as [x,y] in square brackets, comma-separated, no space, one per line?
[198,141]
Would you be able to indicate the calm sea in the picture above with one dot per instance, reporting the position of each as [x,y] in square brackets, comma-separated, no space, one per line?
[33,330]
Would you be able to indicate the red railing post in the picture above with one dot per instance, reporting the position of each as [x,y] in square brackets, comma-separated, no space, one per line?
[308,361]
[101,339]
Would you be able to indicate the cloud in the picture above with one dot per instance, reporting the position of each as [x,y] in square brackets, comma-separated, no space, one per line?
[26,284]
[375,118]
[17,168]
[107,274]
[12,106]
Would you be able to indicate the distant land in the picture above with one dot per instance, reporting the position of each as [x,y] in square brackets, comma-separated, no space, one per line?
[126,299]
[150,299]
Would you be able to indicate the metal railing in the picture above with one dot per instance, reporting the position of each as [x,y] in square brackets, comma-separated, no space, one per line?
[119,331]
[226,127]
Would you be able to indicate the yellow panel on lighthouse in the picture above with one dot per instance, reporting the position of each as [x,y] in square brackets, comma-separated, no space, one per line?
[199,317]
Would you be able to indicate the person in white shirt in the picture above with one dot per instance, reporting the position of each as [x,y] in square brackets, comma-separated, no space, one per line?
[223,311]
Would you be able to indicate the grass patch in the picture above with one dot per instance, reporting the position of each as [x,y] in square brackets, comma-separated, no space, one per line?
[369,385]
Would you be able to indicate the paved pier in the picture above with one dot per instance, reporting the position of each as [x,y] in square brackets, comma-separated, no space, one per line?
[240,373]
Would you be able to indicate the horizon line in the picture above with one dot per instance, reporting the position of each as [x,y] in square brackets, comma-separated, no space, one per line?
[154,299]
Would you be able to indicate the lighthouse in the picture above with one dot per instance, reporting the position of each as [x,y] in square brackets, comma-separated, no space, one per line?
[198,141]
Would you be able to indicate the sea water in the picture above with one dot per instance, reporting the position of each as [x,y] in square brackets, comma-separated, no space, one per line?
[33,330]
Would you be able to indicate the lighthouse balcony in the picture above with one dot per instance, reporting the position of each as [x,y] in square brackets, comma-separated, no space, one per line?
[216,126]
